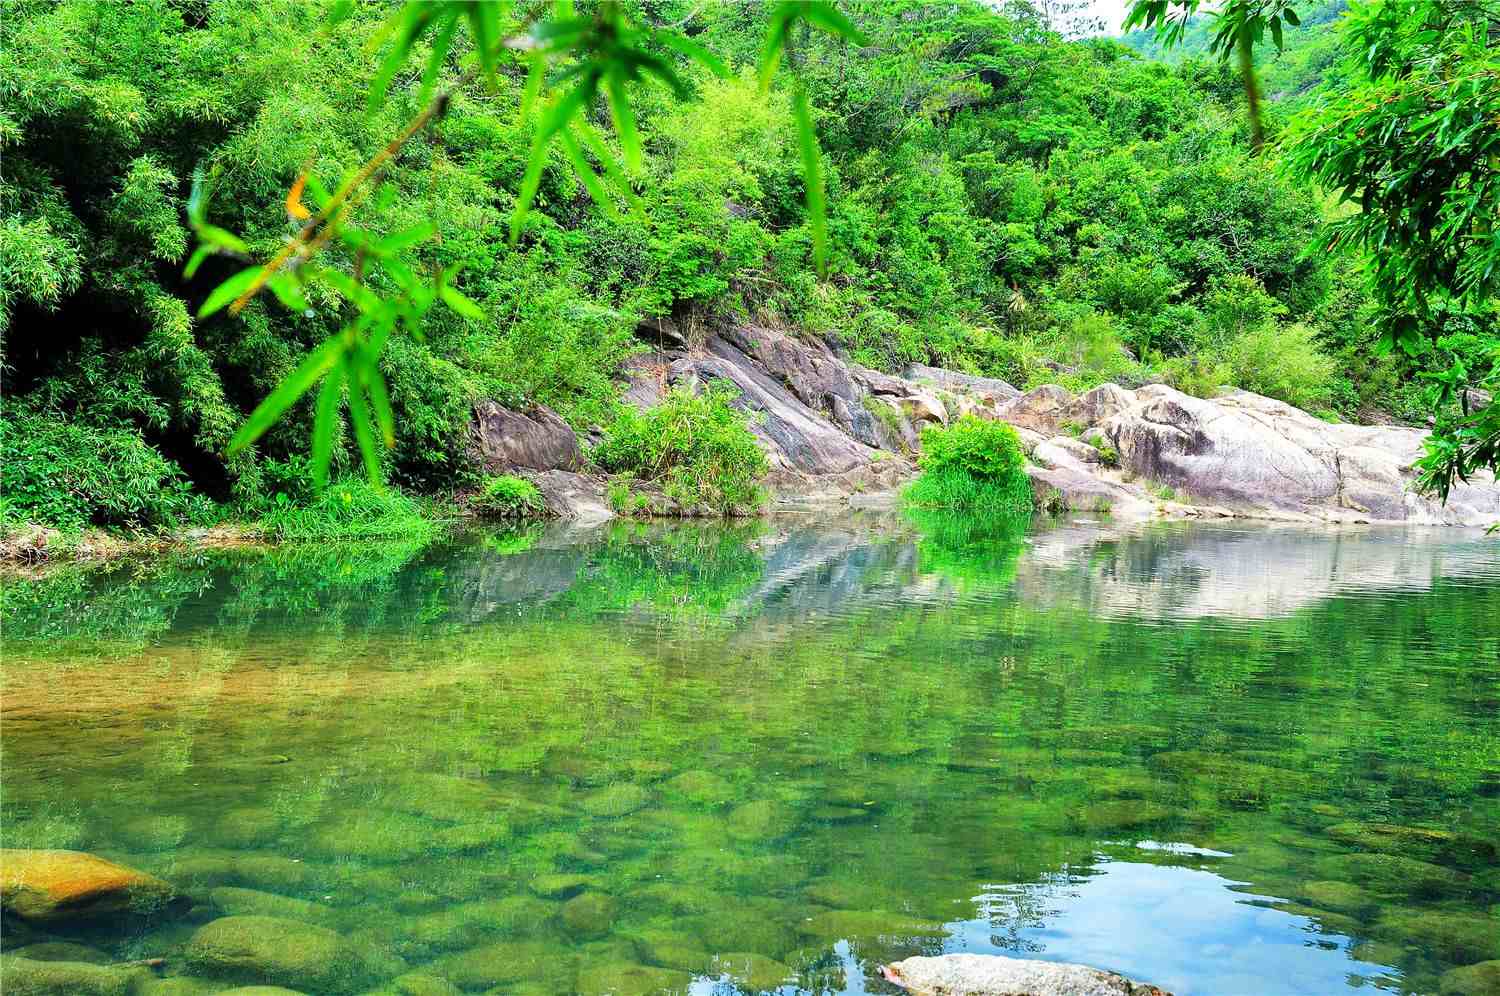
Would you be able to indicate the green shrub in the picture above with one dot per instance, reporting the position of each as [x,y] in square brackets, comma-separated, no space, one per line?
[348,509]
[1282,362]
[68,474]
[699,447]
[972,464]
[507,496]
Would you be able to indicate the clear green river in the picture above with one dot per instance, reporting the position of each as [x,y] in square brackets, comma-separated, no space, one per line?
[1224,759]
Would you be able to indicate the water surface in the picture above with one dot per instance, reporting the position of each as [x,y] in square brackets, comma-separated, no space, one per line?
[1225,759]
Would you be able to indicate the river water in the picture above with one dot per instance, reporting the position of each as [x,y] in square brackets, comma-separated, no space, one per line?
[1225,759]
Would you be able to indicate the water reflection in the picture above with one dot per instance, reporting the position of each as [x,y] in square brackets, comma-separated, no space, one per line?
[1223,759]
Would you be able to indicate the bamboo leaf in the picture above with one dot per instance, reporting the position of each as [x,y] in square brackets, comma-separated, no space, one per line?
[329,396]
[288,292]
[364,433]
[225,294]
[380,400]
[812,172]
[292,387]
[590,179]
[624,119]
[827,17]
[411,21]
[694,51]
[196,260]
[456,300]
[405,238]
[442,41]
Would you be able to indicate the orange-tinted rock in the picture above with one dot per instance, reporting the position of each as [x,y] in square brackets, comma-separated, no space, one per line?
[48,886]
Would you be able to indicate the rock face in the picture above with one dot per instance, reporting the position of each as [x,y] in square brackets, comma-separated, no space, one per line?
[503,440]
[996,975]
[1258,455]
[833,429]
[55,886]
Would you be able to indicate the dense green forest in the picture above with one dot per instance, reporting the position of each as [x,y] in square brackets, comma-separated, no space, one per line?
[1000,201]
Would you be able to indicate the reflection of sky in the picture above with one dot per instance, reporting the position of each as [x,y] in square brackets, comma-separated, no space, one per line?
[1178,928]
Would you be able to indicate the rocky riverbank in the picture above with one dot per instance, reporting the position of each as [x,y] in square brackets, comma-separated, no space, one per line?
[837,432]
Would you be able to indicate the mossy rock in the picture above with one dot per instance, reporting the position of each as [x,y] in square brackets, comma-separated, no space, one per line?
[1340,897]
[1427,843]
[469,837]
[741,929]
[261,991]
[1455,937]
[839,815]
[589,914]
[418,984]
[63,886]
[836,925]
[179,985]
[630,979]
[1123,814]
[153,833]
[751,970]
[235,901]
[676,898]
[848,894]
[1393,874]
[270,872]
[26,977]
[379,837]
[445,798]
[247,826]
[760,821]
[681,950]
[63,951]
[614,801]
[275,951]
[702,788]
[469,924]
[1482,979]
[506,962]
[561,885]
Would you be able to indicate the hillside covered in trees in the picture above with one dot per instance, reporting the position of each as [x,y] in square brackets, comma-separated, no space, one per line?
[1000,201]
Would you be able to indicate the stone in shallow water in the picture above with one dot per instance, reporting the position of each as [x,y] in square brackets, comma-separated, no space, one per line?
[997,975]
[1341,897]
[382,837]
[153,833]
[590,914]
[616,800]
[561,885]
[628,979]
[56,886]
[1393,874]
[441,797]
[275,951]
[1418,842]
[672,949]
[247,826]
[752,970]
[180,985]
[504,963]
[837,925]
[252,902]
[1123,814]
[63,951]
[1455,937]
[1482,979]
[703,788]
[421,984]
[261,991]
[762,820]
[25,977]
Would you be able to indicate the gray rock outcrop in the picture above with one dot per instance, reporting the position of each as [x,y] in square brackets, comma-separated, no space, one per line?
[835,431]
[998,975]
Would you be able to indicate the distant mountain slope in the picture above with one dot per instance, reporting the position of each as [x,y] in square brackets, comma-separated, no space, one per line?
[1311,49]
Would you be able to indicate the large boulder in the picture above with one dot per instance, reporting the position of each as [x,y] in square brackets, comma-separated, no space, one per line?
[276,951]
[22,976]
[997,975]
[985,387]
[1257,454]
[56,886]
[502,440]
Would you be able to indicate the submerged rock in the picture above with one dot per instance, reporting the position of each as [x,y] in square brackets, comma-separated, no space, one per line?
[504,963]
[63,951]
[754,971]
[1456,937]
[1394,874]
[764,819]
[997,975]
[1341,897]
[701,787]
[275,951]
[1482,979]
[54,886]
[617,800]
[1123,814]
[590,914]
[20,976]
[629,979]
[252,902]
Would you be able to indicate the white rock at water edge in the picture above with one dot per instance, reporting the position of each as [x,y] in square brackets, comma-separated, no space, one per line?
[997,975]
